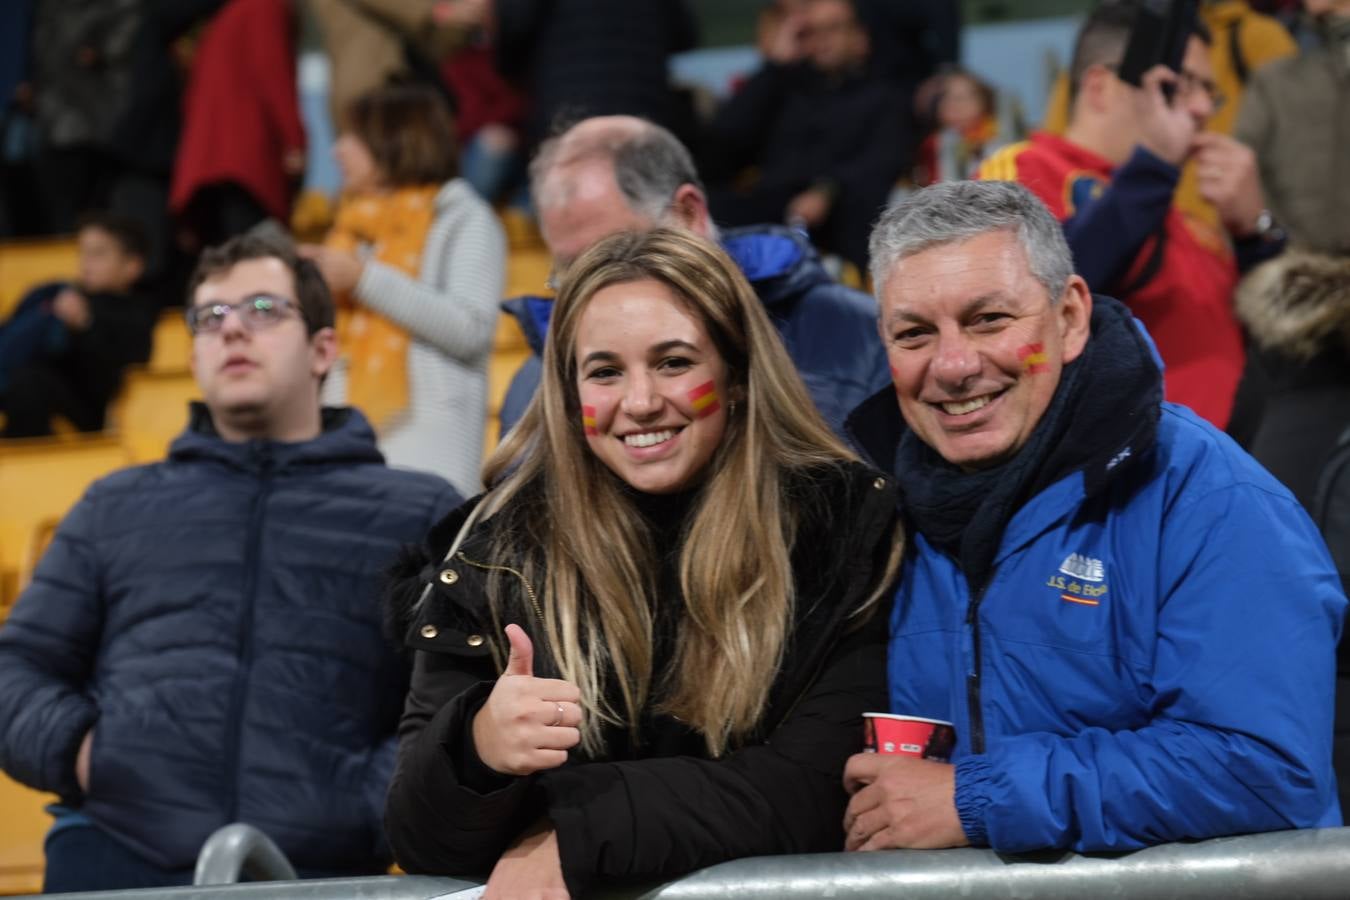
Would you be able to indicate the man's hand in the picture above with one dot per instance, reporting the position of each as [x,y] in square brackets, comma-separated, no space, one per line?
[527,724]
[811,207]
[71,307]
[1229,179]
[1166,130]
[900,801]
[82,761]
[340,270]
[530,870]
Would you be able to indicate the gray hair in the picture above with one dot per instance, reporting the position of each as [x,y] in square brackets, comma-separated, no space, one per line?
[959,210]
[650,164]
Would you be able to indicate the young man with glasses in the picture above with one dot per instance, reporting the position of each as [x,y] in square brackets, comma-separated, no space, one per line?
[1112,180]
[202,642]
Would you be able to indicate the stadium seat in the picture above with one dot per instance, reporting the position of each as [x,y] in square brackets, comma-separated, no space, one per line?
[39,480]
[151,411]
[22,828]
[172,352]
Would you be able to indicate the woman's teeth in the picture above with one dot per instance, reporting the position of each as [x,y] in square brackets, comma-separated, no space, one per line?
[649,438]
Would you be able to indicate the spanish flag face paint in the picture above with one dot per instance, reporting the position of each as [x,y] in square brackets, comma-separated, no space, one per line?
[704,400]
[1034,360]
[588,421]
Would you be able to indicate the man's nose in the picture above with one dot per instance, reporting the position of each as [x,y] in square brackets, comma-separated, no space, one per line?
[232,326]
[956,361]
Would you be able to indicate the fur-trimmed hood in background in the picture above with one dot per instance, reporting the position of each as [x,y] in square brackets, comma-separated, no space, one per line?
[1298,304]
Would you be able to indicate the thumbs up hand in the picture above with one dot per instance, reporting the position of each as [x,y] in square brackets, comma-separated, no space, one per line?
[527,724]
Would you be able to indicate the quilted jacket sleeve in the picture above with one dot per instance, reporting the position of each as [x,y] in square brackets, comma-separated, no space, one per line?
[47,649]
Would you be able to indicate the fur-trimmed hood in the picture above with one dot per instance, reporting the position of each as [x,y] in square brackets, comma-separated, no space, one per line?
[1298,304]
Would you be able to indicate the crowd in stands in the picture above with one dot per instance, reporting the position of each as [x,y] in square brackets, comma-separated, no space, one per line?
[845,393]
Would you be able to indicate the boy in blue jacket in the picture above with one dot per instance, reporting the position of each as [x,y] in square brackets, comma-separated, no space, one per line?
[1130,622]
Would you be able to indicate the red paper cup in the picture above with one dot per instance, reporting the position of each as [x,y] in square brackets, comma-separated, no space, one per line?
[908,736]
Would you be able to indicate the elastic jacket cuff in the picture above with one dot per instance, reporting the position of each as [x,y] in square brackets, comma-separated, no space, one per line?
[973,775]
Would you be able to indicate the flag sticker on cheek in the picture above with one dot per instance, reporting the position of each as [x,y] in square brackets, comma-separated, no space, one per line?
[588,421]
[704,400]
[1034,360]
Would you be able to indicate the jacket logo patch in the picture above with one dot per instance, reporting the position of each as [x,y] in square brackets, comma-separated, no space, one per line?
[1081,580]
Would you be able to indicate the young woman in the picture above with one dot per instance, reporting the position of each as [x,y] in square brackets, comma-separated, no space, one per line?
[422,261]
[647,648]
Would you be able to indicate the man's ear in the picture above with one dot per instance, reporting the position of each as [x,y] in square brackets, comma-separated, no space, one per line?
[1094,90]
[690,209]
[1075,316]
[323,346]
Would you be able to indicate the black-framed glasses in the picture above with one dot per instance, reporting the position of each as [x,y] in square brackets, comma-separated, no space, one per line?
[256,312]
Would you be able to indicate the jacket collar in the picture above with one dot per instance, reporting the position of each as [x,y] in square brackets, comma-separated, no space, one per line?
[1123,428]
[346,439]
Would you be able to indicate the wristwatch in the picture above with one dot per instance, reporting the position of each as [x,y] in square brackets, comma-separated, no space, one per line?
[1267,229]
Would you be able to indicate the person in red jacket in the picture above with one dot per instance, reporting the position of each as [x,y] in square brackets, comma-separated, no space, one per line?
[1111,180]
[243,142]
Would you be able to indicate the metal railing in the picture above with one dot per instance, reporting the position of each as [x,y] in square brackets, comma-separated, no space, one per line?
[1286,865]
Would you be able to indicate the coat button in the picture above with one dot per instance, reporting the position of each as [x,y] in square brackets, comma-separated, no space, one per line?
[429,631]
[449,576]
[474,640]
[879,484]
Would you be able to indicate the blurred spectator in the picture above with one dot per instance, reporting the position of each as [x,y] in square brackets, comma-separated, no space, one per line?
[1295,118]
[488,117]
[1112,179]
[372,42]
[581,58]
[619,173]
[201,643]
[912,40]
[1242,42]
[64,348]
[243,145]
[820,142]
[18,145]
[967,128]
[1297,309]
[420,260]
[82,81]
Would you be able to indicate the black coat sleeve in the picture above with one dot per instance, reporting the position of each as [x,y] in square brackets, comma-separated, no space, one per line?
[659,818]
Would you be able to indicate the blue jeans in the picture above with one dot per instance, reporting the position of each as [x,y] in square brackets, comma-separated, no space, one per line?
[83,857]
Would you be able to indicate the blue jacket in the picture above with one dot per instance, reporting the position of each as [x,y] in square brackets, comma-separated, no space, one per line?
[215,619]
[829,330]
[1152,661]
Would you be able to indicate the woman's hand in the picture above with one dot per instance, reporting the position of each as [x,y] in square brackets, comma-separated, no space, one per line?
[340,270]
[531,869]
[527,724]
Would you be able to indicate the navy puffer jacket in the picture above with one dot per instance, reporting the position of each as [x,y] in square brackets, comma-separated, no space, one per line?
[215,619]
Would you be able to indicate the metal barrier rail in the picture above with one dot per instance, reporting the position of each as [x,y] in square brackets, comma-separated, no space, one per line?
[1286,865]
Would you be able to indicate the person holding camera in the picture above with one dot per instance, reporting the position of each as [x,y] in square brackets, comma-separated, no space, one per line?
[1112,180]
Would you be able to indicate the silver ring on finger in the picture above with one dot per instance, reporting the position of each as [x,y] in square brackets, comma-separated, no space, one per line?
[557,721]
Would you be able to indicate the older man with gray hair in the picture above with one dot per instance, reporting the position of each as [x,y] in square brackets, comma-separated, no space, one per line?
[619,173]
[1130,623]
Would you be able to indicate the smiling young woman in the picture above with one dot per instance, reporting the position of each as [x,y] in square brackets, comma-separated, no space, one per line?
[689,560]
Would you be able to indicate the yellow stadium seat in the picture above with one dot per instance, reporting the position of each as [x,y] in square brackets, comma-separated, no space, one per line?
[22,828]
[151,411]
[24,264]
[39,480]
[172,350]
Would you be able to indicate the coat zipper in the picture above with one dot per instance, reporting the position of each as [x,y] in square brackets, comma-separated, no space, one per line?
[529,589]
[976,711]
[234,718]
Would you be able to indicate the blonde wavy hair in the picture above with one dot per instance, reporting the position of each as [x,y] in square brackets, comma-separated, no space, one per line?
[575,534]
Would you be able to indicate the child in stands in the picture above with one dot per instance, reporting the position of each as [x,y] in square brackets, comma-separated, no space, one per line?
[63,350]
